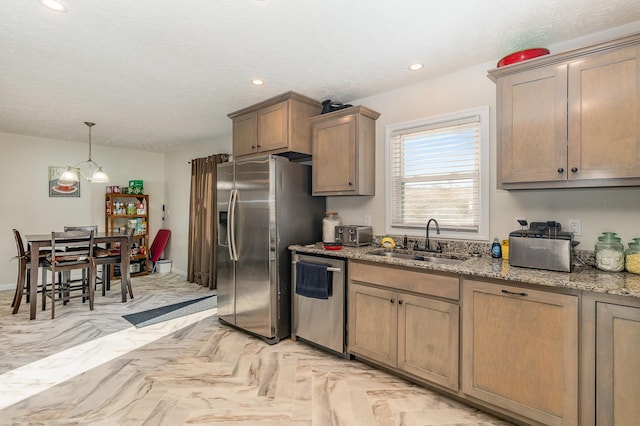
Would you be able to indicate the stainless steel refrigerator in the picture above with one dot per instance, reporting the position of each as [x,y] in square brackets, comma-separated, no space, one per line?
[264,204]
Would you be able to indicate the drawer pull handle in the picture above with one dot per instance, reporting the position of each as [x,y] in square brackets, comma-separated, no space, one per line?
[511,293]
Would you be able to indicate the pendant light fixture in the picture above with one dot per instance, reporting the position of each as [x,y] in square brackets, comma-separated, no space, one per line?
[94,174]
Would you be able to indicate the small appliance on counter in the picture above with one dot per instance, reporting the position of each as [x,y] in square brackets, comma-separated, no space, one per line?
[354,235]
[542,246]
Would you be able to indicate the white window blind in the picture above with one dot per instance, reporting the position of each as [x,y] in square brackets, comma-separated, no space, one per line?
[435,172]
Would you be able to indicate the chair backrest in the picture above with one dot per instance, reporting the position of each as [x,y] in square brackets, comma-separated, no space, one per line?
[93,228]
[19,244]
[71,239]
[158,245]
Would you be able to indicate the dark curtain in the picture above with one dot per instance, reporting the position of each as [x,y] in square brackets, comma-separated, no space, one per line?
[202,220]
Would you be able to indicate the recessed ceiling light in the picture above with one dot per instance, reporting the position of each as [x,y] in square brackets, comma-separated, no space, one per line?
[257,82]
[54,5]
[416,67]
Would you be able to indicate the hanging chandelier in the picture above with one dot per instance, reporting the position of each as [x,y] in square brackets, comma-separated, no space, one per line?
[94,173]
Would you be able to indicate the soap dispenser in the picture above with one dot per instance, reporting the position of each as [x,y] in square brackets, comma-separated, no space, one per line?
[496,250]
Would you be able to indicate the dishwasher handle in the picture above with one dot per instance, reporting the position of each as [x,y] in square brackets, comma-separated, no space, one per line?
[329,268]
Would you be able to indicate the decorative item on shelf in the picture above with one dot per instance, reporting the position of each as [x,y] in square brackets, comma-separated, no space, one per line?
[113,189]
[136,187]
[95,173]
[330,106]
[523,55]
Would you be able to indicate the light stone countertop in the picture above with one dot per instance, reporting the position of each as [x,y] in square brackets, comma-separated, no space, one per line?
[585,278]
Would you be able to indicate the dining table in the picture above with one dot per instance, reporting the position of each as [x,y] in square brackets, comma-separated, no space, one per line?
[42,241]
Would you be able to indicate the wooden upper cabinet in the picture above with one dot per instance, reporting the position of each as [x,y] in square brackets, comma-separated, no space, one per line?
[245,134]
[604,116]
[275,126]
[344,152]
[533,123]
[571,119]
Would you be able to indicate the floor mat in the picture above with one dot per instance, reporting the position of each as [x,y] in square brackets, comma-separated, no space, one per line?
[164,313]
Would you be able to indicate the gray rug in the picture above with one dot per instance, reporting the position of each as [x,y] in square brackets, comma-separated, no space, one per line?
[176,310]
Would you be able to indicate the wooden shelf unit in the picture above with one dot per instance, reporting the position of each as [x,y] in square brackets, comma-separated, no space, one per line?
[113,222]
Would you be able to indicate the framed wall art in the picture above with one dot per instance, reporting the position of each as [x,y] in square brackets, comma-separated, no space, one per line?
[60,188]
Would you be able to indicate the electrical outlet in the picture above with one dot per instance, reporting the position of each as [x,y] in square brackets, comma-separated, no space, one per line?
[367,220]
[517,225]
[575,226]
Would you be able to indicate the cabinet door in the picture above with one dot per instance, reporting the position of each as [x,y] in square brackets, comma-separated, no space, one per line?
[521,351]
[617,365]
[532,126]
[273,125]
[428,339]
[245,134]
[604,116]
[334,155]
[373,323]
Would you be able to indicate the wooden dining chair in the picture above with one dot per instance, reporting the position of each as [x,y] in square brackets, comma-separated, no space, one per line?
[63,259]
[112,256]
[24,275]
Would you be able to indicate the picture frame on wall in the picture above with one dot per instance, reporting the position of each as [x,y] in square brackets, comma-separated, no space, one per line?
[59,188]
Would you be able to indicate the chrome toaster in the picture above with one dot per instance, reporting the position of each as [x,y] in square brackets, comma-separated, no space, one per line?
[542,248]
[354,235]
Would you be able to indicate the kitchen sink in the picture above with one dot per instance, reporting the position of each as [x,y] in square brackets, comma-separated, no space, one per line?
[431,258]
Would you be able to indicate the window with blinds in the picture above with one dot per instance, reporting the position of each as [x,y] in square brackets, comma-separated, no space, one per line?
[436,171]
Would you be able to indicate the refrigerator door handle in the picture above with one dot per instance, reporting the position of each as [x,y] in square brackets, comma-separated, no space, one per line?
[231,228]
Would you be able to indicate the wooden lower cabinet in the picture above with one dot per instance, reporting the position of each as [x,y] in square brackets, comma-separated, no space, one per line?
[373,319]
[428,335]
[617,365]
[412,333]
[521,350]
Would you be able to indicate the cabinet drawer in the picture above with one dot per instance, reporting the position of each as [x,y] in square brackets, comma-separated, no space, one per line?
[412,280]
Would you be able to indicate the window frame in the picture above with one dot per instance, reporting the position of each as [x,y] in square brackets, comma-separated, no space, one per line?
[482,233]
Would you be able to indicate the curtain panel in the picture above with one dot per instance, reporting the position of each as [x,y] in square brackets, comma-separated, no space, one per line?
[202,220]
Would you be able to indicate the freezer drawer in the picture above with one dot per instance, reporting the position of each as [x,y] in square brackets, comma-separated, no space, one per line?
[321,321]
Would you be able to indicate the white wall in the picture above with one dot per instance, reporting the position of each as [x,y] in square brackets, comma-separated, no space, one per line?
[24,197]
[600,210]
[178,185]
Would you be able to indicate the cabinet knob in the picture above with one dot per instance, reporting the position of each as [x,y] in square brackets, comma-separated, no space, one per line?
[259,146]
[574,169]
[392,300]
[253,147]
[560,170]
[399,302]
[350,183]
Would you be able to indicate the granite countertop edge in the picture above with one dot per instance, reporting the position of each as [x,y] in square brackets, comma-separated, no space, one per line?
[585,278]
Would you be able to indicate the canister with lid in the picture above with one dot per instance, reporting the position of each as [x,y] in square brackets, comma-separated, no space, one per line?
[632,258]
[609,253]
[329,223]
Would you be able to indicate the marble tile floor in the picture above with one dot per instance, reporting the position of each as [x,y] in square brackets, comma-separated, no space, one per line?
[96,368]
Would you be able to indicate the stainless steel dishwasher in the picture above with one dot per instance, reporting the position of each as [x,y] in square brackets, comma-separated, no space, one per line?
[321,322]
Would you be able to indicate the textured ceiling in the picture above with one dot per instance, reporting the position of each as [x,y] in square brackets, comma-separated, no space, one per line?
[157,74]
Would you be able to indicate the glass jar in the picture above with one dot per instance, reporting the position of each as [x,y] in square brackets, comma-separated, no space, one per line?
[329,223]
[632,258]
[609,253]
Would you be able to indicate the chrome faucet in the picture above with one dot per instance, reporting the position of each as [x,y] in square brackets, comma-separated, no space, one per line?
[427,245]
